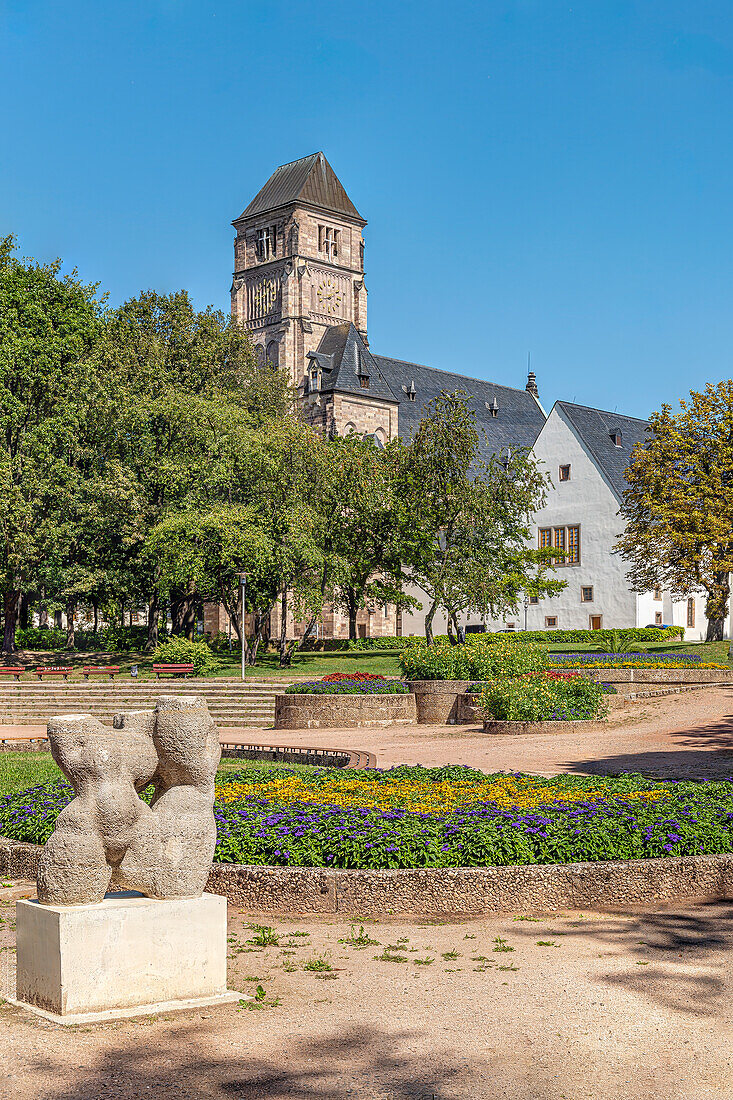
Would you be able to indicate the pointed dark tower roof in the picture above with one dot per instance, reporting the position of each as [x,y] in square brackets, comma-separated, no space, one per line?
[345,360]
[310,181]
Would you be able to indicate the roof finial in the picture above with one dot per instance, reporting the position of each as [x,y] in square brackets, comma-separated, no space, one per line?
[531,386]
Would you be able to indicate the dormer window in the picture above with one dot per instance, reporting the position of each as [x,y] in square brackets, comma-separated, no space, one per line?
[410,390]
[265,243]
[364,380]
[615,437]
[492,406]
[329,241]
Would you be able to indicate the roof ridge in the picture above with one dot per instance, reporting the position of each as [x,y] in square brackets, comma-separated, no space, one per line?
[605,412]
[453,374]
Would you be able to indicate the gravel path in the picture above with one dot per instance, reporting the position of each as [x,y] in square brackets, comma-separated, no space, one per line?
[589,1006]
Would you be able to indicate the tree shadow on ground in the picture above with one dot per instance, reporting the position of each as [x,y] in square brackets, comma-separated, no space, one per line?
[677,958]
[706,752]
[178,1063]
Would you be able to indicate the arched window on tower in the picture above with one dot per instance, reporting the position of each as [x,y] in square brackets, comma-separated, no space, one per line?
[273,353]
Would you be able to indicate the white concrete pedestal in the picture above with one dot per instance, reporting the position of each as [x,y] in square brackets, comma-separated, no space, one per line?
[125,956]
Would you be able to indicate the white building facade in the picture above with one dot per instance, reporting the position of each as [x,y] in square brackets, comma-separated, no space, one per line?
[585,452]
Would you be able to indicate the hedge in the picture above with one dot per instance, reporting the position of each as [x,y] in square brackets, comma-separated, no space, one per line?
[603,638]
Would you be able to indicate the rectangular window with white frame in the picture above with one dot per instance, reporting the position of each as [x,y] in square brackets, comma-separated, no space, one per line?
[691,611]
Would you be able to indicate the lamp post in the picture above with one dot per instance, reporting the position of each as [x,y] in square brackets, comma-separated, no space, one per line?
[526,605]
[243,582]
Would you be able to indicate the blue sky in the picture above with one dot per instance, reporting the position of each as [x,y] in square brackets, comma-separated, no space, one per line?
[538,176]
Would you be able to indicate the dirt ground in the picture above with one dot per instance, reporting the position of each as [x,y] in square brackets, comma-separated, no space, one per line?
[573,1006]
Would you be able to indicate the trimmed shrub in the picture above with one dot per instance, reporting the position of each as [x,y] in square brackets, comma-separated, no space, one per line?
[543,699]
[498,659]
[180,651]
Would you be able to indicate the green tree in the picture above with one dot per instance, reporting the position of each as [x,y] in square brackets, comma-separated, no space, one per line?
[49,326]
[473,517]
[180,385]
[678,505]
[369,531]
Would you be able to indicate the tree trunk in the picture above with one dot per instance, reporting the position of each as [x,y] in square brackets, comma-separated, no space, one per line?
[429,622]
[716,608]
[70,629]
[11,604]
[95,608]
[23,615]
[153,614]
[351,604]
[284,628]
[42,608]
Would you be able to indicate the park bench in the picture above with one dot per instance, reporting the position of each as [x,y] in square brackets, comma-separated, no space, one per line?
[8,671]
[173,670]
[56,671]
[100,670]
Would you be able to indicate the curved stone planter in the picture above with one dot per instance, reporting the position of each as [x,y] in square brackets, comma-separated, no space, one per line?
[492,725]
[320,712]
[438,701]
[704,677]
[451,891]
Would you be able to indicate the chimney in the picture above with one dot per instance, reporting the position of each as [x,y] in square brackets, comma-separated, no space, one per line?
[531,386]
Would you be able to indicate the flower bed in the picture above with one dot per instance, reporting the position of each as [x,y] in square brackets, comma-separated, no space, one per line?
[477,660]
[349,683]
[630,660]
[411,817]
[543,698]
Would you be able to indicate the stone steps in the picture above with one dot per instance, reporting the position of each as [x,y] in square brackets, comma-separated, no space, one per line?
[231,702]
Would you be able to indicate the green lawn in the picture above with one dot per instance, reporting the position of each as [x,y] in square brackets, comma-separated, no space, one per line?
[305,664]
[20,770]
[315,665]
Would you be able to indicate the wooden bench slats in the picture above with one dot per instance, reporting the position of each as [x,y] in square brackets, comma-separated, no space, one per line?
[53,671]
[173,670]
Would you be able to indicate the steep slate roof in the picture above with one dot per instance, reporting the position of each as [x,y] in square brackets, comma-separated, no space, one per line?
[345,359]
[594,428]
[310,181]
[519,418]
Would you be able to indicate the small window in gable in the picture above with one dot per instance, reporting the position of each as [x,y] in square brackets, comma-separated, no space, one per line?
[564,473]
[657,593]
[534,599]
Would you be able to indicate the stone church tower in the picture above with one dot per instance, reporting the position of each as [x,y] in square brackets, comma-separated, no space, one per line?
[299,264]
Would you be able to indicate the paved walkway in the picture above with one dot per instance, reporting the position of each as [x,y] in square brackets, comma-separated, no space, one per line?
[675,736]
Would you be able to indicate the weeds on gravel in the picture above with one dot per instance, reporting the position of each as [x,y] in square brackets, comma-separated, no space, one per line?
[547,943]
[264,936]
[360,939]
[501,945]
[449,955]
[389,955]
[423,962]
[318,964]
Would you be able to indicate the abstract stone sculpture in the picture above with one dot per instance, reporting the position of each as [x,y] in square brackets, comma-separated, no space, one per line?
[107,834]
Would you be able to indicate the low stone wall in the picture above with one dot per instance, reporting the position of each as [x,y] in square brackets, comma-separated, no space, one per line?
[700,676]
[492,725]
[320,712]
[450,891]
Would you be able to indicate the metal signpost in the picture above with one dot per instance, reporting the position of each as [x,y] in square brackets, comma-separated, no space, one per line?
[243,582]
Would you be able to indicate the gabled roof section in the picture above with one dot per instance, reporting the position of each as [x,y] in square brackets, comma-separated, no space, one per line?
[310,181]
[595,429]
[519,417]
[346,360]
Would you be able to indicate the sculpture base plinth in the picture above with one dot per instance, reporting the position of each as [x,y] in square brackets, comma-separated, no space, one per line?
[125,956]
